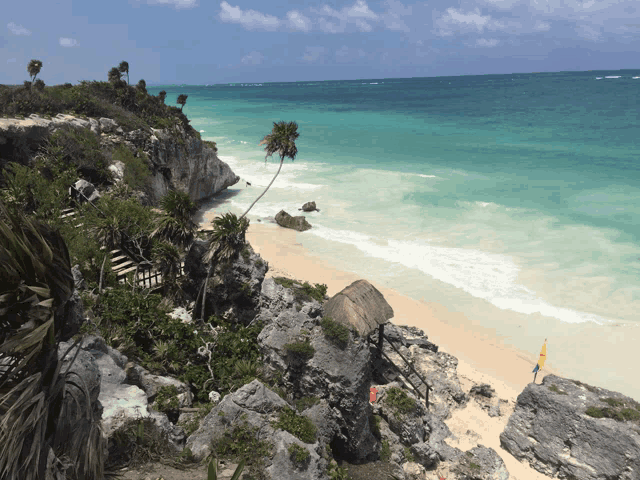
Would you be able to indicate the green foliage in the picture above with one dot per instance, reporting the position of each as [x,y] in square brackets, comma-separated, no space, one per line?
[194,422]
[374,425]
[302,350]
[227,238]
[182,100]
[299,455]
[612,402]
[621,415]
[303,292]
[555,389]
[474,466]
[385,451]
[245,254]
[34,68]
[241,442]
[306,402]
[408,456]
[176,225]
[167,399]
[136,170]
[398,399]
[335,331]
[211,145]
[212,470]
[317,292]
[588,387]
[259,262]
[337,473]
[297,425]
[136,443]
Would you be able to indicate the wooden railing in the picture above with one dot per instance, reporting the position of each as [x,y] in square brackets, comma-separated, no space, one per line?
[381,337]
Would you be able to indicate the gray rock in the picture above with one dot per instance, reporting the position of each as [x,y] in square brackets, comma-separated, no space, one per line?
[409,427]
[253,402]
[73,312]
[298,223]
[151,384]
[483,389]
[425,454]
[233,290]
[117,169]
[422,343]
[107,125]
[313,468]
[78,278]
[309,207]
[84,191]
[480,463]
[551,431]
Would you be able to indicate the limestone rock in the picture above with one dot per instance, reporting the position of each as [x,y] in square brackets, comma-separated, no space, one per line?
[414,471]
[107,125]
[483,389]
[181,314]
[84,191]
[480,463]
[117,169]
[151,384]
[551,431]
[78,278]
[297,223]
[309,207]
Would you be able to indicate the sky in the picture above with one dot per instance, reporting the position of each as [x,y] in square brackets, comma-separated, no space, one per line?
[201,42]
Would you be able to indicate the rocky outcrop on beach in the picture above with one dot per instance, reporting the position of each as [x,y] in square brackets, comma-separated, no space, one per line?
[177,160]
[309,207]
[567,429]
[298,223]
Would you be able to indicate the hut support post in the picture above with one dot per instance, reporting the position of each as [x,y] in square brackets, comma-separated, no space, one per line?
[380,339]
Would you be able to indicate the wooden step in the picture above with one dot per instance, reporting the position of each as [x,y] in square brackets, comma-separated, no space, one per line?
[68,215]
[120,266]
[79,225]
[112,252]
[66,210]
[124,272]
[114,260]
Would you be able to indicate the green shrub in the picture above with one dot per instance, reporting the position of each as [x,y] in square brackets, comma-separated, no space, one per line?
[398,399]
[194,422]
[299,455]
[245,253]
[297,425]
[136,169]
[629,414]
[385,451]
[241,443]
[302,350]
[335,331]
[612,402]
[306,402]
[474,466]
[374,425]
[408,456]
[555,389]
[317,292]
[167,399]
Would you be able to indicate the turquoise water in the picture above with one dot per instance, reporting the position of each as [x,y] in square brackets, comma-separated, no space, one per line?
[496,193]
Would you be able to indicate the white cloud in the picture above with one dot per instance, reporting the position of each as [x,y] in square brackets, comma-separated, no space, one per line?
[542,27]
[454,22]
[393,16]
[249,19]
[314,55]
[589,33]
[178,4]
[360,10]
[68,42]
[18,29]
[298,21]
[253,58]
[483,42]
[363,26]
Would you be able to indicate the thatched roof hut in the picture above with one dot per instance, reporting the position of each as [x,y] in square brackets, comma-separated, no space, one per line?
[359,306]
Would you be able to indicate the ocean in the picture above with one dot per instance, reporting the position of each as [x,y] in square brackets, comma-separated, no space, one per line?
[514,199]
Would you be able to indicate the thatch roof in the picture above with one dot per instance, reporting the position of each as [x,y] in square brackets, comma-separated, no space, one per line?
[359,306]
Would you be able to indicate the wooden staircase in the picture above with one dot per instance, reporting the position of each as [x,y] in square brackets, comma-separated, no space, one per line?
[68,215]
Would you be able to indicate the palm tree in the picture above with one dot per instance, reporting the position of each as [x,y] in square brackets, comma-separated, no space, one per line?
[34,68]
[162,95]
[281,140]
[176,225]
[142,85]
[34,421]
[182,100]
[114,75]
[124,68]
[227,238]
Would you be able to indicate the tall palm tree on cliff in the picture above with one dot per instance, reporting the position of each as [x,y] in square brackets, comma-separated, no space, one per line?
[281,140]
[162,95]
[182,100]
[124,68]
[34,418]
[34,68]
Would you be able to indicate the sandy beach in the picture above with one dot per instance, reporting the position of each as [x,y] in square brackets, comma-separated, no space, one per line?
[482,356]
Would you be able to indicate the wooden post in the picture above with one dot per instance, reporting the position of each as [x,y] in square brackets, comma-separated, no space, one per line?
[380,339]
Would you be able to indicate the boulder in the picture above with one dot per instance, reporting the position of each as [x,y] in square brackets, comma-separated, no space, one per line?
[483,389]
[84,191]
[480,463]
[107,125]
[408,426]
[117,169]
[78,278]
[346,390]
[309,207]
[73,312]
[181,314]
[297,223]
[151,384]
[233,289]
[551,430]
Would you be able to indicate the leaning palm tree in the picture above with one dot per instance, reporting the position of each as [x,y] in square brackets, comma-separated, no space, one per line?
[34,68]
[281,140]
[162,95]
[227,238]
[36,424]
[182,100]
[124,68]
[176,225]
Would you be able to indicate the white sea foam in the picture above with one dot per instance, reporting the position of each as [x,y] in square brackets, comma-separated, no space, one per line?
[598,78]
[426,176]
[613,76]
[201,131]
[484,275]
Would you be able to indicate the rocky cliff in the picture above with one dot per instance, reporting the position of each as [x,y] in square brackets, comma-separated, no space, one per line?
[176,159]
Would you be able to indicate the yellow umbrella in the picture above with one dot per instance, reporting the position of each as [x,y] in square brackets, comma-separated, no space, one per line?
[543,357]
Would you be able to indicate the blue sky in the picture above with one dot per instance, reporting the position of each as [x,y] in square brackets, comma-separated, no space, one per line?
[208,42]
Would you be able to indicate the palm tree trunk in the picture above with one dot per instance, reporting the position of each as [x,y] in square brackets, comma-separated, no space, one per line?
[265,190]
[204,293]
